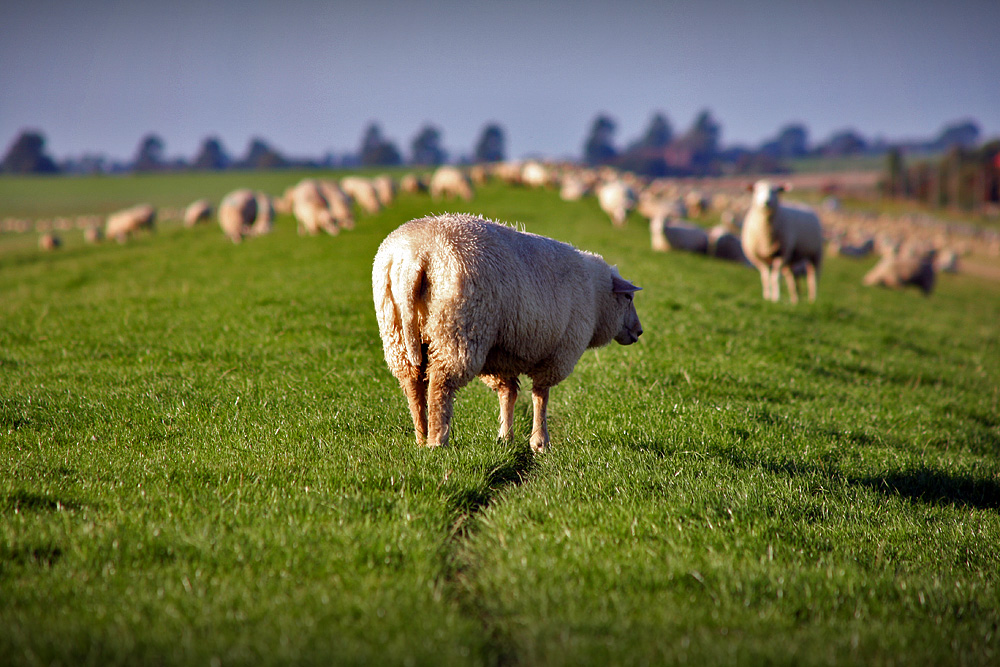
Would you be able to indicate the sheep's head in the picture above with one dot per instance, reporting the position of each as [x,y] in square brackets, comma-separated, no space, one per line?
[631,329]
[765,194]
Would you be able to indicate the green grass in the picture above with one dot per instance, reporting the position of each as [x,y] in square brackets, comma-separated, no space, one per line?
[204,460]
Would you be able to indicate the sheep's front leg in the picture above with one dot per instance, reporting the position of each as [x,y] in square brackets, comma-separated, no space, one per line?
[775,275]
[540,425]
[811,280]
[793,291]
[506,389]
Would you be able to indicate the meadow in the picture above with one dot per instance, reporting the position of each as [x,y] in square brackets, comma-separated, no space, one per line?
[204,460]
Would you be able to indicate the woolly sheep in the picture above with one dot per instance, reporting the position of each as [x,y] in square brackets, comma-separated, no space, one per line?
[448,181]
[49,242]
[122,224]
[244,212]
[197,211]
[535,174]
[458,296]
[413,184]
[616,199]
[311,208]
[669,234]
[777,236]
[338,203]
[385,188]
[363,192]
[904,265]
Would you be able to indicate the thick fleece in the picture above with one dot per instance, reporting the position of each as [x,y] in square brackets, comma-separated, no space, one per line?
[458,296]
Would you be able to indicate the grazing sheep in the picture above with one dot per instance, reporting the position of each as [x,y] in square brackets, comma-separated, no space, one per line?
[93,234]
[458,296]
[777,236]
[616,199]
[669,234]
[245,213]
[902,266]
[339,204]
[49,242]
[311,209]
[535,174]
[363,192]
[122,224]
[197,211]
[448,181]
[573,187]
[413,184]
[385,188]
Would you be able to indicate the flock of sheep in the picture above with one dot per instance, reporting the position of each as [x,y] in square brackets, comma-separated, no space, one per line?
[755,228]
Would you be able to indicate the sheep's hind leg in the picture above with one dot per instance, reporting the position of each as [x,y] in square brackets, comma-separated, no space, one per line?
[440,401]
[793,291]
[540,425]
[415,388]
[811,280]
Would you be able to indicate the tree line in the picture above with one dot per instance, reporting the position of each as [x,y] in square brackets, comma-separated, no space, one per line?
[658,151]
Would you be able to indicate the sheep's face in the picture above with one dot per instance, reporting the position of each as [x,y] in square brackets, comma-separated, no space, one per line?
[630,329]
[765,194]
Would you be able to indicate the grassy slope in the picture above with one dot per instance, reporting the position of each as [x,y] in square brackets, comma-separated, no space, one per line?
[202,455]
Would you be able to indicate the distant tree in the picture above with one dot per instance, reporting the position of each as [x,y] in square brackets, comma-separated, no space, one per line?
[702,141]
[426,147]
[964,134]
[659,134]
[211,156]
[490,147]
[376,151]
[791,142]
[261,156]
[149,156]
[599,148]
[27,155]
[844,143]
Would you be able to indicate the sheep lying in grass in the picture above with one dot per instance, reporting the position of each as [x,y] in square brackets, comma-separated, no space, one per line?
[776,237]
[124,223]
[670,234]
[197,211]
[245,213]
[904,265]
[448,181]
[458,296]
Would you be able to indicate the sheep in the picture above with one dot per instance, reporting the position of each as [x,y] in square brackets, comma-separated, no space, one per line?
[901,266]
[670,234]
[49,242]
[244,212]
[457,296]
[616,199]
[197,211]
[385,188]
[122,224]
[339,204]
[413,184]
[363,192]
[535,175]
[573,187]
[777,236]
[448,181]
[311,208]
[93,234]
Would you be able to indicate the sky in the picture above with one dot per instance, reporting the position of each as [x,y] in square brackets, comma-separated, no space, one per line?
[96,76]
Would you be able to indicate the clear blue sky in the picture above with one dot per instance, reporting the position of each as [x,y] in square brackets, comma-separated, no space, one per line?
[308,76]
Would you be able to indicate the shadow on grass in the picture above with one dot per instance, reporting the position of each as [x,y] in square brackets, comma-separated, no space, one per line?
[25,501]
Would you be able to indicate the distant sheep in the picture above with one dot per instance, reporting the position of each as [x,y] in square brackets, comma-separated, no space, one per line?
[385,188]
[670,234]
[311,208]
[448,181]
[245,213]
[338,203]
[776,237]
[616,199]
[123,224]
[197,211]
[413,184]
[49,242]
[363,192]
[458,297]
[904,265]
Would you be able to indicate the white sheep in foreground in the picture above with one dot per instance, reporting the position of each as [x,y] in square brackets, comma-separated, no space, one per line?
[448,181]
[458,296]
[197,211]
[244,212]
[776,237]
[616,199]
[122,224]
[902,266]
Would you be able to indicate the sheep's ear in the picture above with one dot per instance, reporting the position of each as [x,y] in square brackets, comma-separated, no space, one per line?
[621,286]
[750,187]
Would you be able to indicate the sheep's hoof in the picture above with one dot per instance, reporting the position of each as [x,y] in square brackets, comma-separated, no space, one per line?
[539,447]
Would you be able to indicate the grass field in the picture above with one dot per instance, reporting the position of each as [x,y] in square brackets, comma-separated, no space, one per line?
[204,461]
